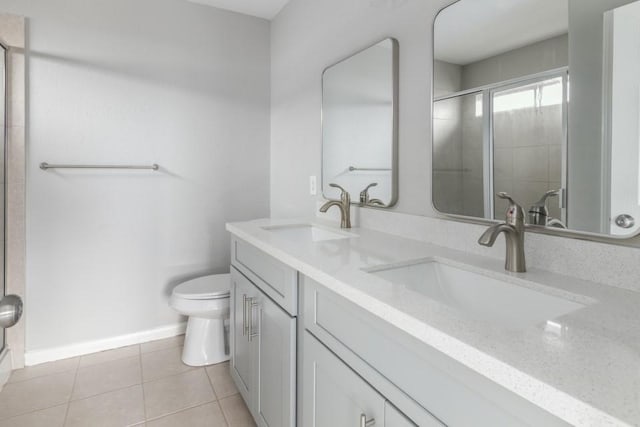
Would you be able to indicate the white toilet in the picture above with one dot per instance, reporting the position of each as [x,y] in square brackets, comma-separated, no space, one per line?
[206,301]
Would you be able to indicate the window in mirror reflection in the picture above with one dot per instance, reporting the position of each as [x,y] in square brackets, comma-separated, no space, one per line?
[522,140]
[528,140]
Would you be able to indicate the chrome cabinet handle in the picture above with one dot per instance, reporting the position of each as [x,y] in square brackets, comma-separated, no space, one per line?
[244,315]
[252,305]
[364,422]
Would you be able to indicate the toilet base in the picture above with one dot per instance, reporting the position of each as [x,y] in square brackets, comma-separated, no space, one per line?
[205,342]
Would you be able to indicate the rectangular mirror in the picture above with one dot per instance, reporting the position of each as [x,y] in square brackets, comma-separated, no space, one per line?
[360,126]
[539,99]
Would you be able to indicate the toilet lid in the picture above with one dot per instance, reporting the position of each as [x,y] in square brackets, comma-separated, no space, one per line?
[206,287]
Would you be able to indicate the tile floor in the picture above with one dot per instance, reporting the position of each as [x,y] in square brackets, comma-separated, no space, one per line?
[141,385]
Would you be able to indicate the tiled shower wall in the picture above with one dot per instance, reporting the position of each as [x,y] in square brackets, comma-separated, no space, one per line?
[528,156]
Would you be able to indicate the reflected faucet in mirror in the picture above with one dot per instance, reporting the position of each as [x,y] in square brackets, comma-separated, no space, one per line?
[365,199]
[344,204]
[513,229]
[539,213]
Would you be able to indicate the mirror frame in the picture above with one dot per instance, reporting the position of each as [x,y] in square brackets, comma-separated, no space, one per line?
[574,234]
[395,70]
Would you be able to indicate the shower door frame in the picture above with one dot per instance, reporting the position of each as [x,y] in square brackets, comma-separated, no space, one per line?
[5,357]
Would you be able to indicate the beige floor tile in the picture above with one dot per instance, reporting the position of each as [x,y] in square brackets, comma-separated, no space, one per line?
[209,415]
[163,363]
[49,368]
[50,417]
[172,342]
[109,355]
[236,412]
[177,392]
[38,393]
[221,379]
[117,408]
[107,376]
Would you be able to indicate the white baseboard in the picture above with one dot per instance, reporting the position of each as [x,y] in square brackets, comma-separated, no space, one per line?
[5,367]
[36,357]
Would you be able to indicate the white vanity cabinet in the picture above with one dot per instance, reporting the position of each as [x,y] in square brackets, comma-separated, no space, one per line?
[263,343]
[335,396]
[303,355]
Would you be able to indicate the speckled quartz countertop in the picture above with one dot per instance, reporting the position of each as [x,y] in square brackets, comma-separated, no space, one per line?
[583,367]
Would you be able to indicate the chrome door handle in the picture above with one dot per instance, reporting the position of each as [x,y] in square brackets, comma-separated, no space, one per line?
[625,221]
[364,422]
[10,310]
[244,315]
[252,305]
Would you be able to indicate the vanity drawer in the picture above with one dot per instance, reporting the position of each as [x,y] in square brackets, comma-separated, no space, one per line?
[411,371]
[275,279]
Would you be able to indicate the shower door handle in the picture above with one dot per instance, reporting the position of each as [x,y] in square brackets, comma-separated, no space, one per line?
[10,310]
[625,221]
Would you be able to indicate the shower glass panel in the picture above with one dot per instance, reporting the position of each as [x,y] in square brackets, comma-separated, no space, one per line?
[458,165]
[3,129]
[528,143]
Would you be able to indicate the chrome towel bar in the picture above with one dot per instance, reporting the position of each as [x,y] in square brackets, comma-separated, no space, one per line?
[353,168]
[44,166]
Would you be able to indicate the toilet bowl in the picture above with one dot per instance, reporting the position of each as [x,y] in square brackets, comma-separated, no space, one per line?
[205,301]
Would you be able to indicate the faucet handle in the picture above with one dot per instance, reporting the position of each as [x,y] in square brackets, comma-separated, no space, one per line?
[344,194]
[338,187]
[515,213]
[364,194]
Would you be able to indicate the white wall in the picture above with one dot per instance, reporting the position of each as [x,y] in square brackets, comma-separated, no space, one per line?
[122,81]
[309,35]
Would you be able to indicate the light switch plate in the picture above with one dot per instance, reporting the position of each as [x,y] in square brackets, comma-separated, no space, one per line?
[313,187]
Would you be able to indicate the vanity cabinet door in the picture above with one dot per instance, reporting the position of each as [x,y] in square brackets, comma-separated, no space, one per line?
[394,418]
[334,395]
[243,358]
[275,334]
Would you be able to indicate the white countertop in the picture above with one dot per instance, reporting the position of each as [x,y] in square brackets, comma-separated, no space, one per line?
[583,367]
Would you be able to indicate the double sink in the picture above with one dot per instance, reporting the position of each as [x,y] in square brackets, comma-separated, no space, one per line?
[482,294]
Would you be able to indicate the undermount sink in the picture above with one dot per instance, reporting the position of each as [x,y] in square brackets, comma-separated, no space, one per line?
[302,232]
[478,295]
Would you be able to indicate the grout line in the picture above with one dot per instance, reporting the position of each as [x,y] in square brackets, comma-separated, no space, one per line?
[211,383]
[177,411]
[144,399]
[45,375]
[75,377]
[165,348]
[183,410]
[218,400]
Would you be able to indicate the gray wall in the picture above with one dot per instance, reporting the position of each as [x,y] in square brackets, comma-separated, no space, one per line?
[309,35]
[121,81]
[535,58]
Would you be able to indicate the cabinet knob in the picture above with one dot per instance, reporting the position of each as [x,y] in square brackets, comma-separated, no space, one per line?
[366,423]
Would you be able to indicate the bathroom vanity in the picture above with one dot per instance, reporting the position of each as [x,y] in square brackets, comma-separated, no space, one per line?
[359,327]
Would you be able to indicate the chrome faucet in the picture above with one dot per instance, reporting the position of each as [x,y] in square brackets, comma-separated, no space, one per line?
[366,201]
[344,204]
[538,212]
[513,229]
